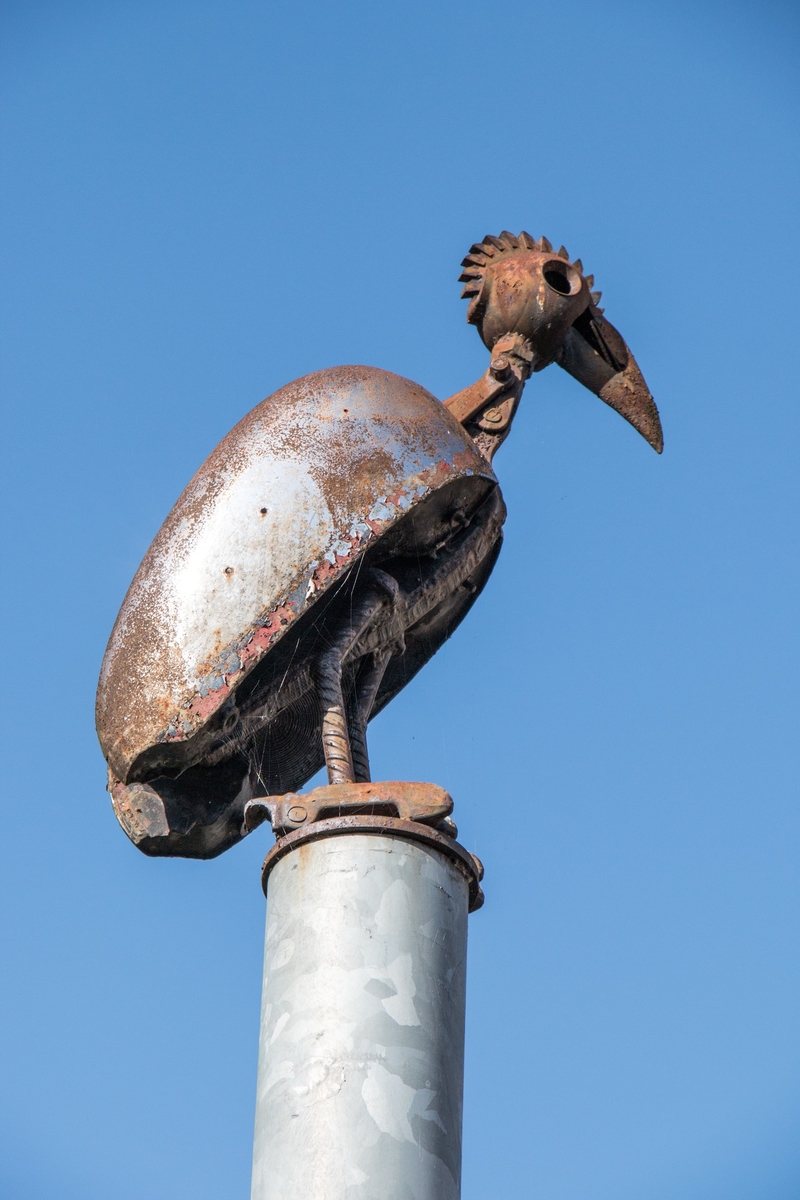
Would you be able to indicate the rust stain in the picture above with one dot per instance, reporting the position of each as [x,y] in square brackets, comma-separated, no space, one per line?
[222,675]
[373,446]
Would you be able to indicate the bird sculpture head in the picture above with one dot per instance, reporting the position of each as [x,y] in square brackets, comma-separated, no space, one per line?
[518,286]
[320,556]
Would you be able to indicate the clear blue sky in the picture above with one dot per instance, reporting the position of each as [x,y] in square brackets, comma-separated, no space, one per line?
[204,199]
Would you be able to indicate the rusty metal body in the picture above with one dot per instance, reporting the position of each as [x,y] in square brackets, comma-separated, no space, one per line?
[207,695]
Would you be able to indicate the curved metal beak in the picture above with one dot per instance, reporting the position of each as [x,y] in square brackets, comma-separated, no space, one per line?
[595,353]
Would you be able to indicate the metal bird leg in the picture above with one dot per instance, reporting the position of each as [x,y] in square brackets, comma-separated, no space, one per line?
[345,766]
[366,691]
[335,736]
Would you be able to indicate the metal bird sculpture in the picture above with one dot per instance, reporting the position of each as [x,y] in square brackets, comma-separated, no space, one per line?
[320,556]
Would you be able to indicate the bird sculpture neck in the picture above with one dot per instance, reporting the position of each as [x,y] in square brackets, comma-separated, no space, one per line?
[486,408]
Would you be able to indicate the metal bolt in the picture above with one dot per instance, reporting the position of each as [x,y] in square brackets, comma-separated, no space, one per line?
[297,814]
[500,367]
[493,415]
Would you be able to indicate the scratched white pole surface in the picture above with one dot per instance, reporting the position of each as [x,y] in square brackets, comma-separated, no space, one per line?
[361,1060]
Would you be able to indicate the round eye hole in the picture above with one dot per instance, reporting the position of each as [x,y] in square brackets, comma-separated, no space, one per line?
[562,277]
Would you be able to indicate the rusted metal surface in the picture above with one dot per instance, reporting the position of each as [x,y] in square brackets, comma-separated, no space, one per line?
[208,689]
[360,711]
[487,407]
[336,721]
[423,802]
[325,550]
[414,831]
[517,285]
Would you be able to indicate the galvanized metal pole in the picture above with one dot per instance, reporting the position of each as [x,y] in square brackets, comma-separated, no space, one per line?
[360,1074]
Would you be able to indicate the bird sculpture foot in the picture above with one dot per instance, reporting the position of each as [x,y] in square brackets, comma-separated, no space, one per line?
[421,802]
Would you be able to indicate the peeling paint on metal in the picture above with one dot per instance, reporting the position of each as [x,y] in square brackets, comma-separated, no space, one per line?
[284,506]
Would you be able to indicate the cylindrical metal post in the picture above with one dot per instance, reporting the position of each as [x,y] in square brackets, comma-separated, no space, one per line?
[360,1072]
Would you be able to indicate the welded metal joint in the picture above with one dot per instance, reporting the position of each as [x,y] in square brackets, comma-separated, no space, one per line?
[487,407]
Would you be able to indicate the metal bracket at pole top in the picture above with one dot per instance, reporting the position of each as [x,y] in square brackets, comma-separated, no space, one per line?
[417,812]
